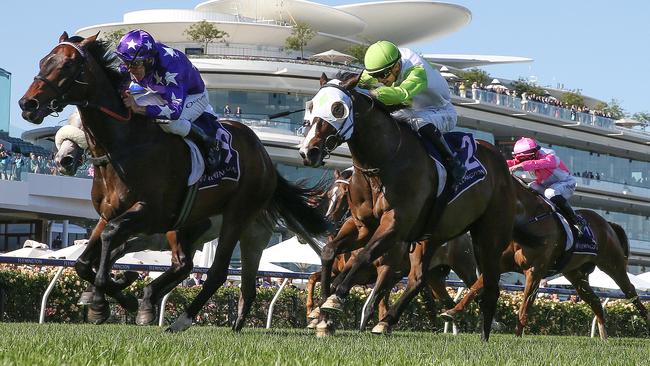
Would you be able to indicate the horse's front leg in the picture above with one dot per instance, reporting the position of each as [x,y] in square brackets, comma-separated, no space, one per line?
[115,232]
[347,239]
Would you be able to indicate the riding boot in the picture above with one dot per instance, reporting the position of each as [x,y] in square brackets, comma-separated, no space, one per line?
[454,167]
[568,213]
[208,146]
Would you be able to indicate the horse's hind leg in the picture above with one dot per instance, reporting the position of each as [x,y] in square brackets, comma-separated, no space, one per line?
[252,243]
[182,244]
[416,279]
[235,221]
[385,281]
[311,286]
[618,274]
[580,282]
[530,293]
[474,291]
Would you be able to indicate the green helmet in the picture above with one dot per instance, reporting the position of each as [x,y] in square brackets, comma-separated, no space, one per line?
[381,55]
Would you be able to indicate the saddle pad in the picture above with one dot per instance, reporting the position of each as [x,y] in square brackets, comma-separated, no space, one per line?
[464,145]
[229,156]
[586,244]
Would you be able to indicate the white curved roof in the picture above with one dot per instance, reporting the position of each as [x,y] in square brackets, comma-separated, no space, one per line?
[404,22]
[240,33]
[466,61]
[321,17]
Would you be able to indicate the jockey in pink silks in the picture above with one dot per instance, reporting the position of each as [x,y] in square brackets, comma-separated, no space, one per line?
[552,178]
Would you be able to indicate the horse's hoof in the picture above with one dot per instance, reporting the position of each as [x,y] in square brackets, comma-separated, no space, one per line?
[98,314]
[239,324]
[333,303]
[145,316]
[382,328]
[325,329]
[181,324]
[314,314]
[447,316]
[312,324]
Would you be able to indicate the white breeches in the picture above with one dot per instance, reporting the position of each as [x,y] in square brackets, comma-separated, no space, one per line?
[195,105]
[444,118]
[565,188]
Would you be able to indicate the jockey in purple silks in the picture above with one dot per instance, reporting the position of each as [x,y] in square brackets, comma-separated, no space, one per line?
[168,73]
[552,178]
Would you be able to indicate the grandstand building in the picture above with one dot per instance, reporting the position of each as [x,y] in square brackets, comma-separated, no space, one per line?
[253,71]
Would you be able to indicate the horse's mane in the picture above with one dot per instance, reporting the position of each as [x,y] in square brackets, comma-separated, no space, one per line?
[105,57]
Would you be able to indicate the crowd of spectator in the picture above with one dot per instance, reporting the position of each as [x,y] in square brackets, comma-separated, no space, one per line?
[12,165]
[543,104]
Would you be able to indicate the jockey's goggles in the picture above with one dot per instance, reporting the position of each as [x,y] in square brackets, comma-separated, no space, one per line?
[382,74]
[137,63]
[525,156]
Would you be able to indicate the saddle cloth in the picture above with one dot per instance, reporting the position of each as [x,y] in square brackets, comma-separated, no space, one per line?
[228,169]
[584,244]
[465,147]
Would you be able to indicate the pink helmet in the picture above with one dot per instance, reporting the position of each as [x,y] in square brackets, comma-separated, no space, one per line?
[525,147]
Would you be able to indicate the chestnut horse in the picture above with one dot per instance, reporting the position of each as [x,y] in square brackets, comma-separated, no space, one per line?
[393,198]
[71,144]
[539,245]
[141,174]
[456,255]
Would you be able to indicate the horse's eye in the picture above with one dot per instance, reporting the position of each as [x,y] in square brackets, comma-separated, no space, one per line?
[339,110]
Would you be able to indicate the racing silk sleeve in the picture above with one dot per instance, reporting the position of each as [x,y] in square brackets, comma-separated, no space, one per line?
[511,162]
[414,82]
[549,161]
[173,94]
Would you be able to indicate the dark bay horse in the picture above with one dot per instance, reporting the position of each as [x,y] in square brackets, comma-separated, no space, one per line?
[456,255]
[393,199]
[538,247]
[140,181]
[71,144]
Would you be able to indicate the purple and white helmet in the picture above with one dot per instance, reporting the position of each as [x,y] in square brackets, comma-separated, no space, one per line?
[136,45]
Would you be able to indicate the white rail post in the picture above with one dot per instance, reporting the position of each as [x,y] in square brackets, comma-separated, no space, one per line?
[459,292]
[593,322]
[163,302]
[272,305]
[41,318]
[365,304]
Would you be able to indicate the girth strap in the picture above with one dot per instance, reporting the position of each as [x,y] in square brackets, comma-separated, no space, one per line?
[187,206]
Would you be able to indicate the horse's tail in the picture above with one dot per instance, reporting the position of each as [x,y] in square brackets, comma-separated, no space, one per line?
[622,237]
[291,202]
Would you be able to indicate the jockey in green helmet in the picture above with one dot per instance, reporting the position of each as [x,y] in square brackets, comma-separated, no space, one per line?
[399,76]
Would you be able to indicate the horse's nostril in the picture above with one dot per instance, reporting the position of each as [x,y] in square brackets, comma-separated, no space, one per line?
[29,104]
[66,161]
[302,155]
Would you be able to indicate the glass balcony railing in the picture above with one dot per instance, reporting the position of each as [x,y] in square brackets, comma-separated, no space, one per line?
[529,106]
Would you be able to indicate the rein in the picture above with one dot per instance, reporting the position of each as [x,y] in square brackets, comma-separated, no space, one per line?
[59,102]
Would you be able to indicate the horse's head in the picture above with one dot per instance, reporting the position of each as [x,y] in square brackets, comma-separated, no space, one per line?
[337,196]
[330,117]
[61,79]
[71,143]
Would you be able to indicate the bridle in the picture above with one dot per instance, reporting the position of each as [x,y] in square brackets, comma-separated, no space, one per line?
[60,100]
[339,136]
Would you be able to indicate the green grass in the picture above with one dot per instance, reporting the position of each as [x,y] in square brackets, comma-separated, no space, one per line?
[65,344]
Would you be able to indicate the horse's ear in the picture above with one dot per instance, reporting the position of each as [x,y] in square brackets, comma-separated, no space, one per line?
[337,174]
[352,82]
[64,37]
[323,79]
[89,40]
